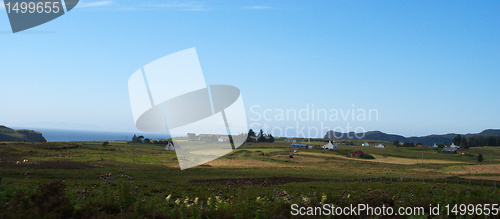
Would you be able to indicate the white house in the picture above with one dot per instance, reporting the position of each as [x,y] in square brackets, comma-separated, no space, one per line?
[435,145]
[454,146]
[330,145]
[365,144]
[380,146]
[170,147]
[221,139]
[450,150]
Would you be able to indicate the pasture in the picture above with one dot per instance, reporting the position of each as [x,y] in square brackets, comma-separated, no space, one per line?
[123,180]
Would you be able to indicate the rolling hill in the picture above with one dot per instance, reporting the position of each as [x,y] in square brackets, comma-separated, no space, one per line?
[426,140]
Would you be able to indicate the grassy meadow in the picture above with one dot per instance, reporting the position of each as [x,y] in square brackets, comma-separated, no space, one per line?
[87,179]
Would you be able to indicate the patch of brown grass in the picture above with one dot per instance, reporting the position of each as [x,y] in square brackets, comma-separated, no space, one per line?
[242,163]
[479,169]
[391,160]
[489,178]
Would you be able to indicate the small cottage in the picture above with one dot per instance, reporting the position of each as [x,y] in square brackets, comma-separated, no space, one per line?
[331,145]
[454,146]
[170,146]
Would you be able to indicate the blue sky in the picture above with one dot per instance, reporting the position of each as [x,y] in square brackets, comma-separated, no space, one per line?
[425,66]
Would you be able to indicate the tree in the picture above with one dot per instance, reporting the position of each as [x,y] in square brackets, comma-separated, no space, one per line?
[251,136]
[406,144]
[261,138]
[396,143]
[457,140]
[137,139]
[147,141]
[480,158]
[464,142]
[106,143]
[251,133]
[492,141]
[270,139]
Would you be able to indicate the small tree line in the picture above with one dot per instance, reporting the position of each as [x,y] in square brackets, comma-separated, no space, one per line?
[476,141]
[397,143]
[142,140]
[252,137]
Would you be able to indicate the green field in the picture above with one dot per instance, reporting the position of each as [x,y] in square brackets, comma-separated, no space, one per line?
[86,179]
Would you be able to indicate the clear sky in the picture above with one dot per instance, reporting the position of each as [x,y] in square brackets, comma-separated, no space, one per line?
[426,67]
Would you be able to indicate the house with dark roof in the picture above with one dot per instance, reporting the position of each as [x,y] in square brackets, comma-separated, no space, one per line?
[301,146]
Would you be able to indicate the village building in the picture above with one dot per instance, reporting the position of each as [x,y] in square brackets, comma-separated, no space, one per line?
[222,139]
[454,146]
[331,145]
[300,146]
[169,146]
[192,137]
[450,150]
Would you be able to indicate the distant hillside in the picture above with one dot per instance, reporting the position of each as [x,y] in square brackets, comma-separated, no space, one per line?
[426,140]
[8,134]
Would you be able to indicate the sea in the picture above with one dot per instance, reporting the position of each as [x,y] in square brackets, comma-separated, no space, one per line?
[59,135]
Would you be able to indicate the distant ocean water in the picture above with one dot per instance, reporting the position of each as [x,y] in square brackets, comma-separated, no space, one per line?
[55,135]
